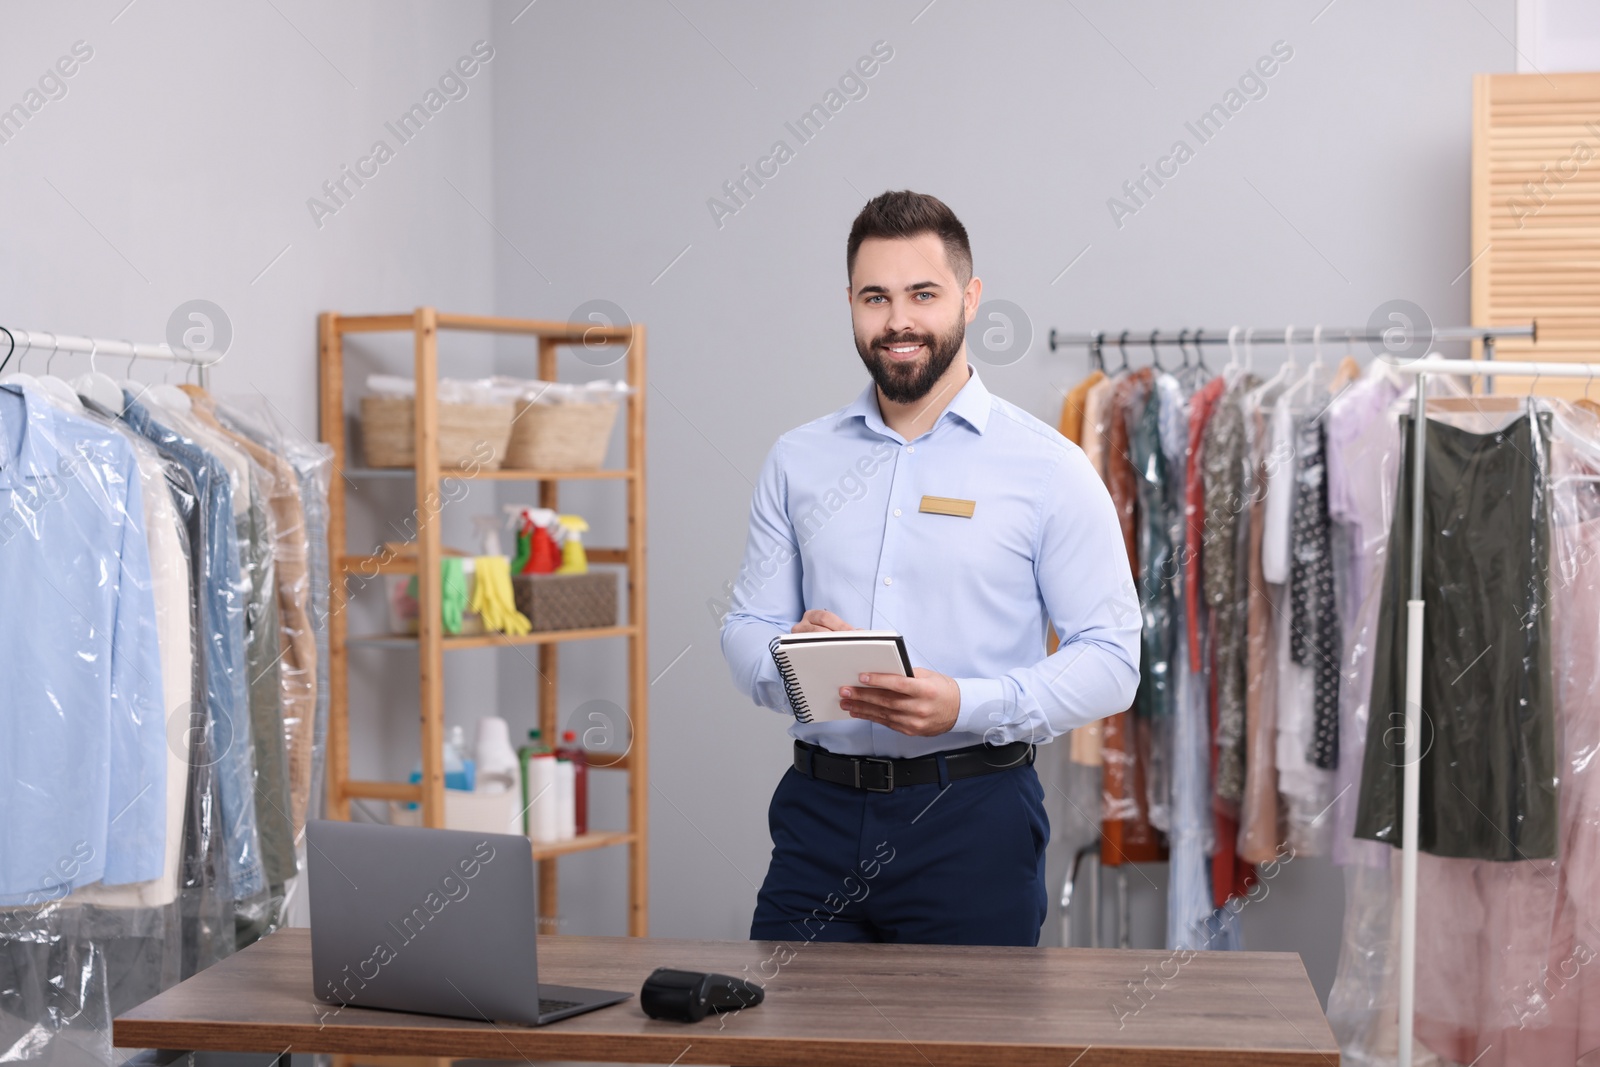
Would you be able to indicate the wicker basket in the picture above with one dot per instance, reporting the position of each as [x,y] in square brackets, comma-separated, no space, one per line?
[470,435]
[567,601]
[560,437]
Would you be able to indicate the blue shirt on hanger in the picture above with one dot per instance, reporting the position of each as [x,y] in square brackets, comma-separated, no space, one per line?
[836,523]
[83,758]
[220,596]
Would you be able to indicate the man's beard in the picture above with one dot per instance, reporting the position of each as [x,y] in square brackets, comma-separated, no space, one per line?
[905,383]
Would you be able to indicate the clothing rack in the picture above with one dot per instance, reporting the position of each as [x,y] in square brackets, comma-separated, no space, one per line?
[22,342]
[1096,341]
[1414,614]
[1415,605]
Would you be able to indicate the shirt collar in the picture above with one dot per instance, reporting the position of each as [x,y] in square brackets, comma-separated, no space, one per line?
[971,404]
[37,456]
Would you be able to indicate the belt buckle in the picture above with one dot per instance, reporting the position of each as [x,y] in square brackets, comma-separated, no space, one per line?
[888,770]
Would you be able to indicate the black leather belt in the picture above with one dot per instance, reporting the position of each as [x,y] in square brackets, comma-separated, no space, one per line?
[883,775]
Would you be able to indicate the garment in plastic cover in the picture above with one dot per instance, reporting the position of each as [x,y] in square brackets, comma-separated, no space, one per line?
[300,470]
[131,898]
[1488,782]
[1506,948]
[223,592]
[96,690]
[1506,951]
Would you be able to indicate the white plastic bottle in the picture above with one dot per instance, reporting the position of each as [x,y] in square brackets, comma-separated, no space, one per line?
[497,768]
[544,824]
[566,800]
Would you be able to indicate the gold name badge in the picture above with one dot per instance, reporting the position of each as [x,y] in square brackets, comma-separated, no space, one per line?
[946,505]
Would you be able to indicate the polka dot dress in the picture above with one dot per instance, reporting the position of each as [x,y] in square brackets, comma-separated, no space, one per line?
[1314,619]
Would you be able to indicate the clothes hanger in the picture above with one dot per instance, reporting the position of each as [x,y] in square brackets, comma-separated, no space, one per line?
[1230,370]
[1183,353]
[129,384]
[9,337]
[1305,381]
[1584,442]
[1200,355]
[1122,349]
[19,376]
[167,396]
[1348,370]
[1289,369]
[1097,358]
[163,394]
[1155,356]
[1473,403]
[97,386]
[56,389]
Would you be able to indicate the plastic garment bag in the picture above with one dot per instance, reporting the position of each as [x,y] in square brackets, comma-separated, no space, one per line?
[74,955]
[220,630]
[1506,949]
[95,568]
[1507,969]
[1126,735]
[1488,786]
[84,734]
[1159,496]
[301,551]
[299,501]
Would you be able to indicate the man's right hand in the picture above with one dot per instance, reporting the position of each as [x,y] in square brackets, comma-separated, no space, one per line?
[816,620]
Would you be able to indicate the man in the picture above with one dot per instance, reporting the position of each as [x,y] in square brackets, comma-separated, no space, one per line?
[852,525]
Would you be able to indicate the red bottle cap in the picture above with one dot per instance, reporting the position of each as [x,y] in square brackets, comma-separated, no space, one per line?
[569,736]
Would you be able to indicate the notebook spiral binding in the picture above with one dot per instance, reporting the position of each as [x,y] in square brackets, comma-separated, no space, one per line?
[791,684]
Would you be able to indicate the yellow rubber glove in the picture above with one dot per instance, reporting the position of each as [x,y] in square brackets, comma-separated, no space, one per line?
[493,599]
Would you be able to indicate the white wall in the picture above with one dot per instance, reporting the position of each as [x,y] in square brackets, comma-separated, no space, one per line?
[1344,187]
[178,165]
[1557,35]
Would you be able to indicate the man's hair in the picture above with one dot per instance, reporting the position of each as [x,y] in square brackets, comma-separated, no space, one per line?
[907,214]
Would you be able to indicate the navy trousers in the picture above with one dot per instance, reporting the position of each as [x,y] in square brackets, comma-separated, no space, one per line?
[957,864]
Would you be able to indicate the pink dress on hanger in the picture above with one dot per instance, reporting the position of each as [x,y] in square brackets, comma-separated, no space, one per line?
[1508,954]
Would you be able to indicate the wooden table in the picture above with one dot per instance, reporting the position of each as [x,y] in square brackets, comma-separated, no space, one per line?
[867,1005]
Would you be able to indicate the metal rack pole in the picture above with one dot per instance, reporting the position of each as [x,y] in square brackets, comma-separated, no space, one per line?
[1280,335]
[27,341]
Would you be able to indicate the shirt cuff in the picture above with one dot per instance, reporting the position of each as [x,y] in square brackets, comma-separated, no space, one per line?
[984,708]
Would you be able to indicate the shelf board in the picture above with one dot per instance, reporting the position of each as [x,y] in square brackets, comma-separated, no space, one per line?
[582,843]
[501,475]
[495,640]
[368,566]
[570,333]
[383,790]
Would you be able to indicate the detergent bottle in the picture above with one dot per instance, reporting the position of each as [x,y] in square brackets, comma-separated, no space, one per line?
[543,555]
[573,559]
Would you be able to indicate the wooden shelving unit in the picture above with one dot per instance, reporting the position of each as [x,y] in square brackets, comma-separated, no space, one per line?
[431,643]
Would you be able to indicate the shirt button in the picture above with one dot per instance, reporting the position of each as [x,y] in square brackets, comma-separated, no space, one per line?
[911,448]
[888,581]
[897,513]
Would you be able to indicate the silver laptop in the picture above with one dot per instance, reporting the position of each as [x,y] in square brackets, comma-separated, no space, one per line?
[434,921]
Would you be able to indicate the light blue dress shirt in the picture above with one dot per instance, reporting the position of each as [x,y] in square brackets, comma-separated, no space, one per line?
[834,524]
[221,591]
[83,758]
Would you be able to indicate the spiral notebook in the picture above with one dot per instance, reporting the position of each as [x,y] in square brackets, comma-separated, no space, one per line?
[815,665]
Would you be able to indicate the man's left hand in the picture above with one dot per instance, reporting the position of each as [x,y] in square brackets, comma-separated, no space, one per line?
[922,706]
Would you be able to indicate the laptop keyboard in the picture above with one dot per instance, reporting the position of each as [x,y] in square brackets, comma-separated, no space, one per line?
[546,1006]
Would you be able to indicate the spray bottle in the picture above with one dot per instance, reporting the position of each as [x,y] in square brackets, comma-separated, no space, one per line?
[517,519]
[543,555]
[573,559]
[537,552]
